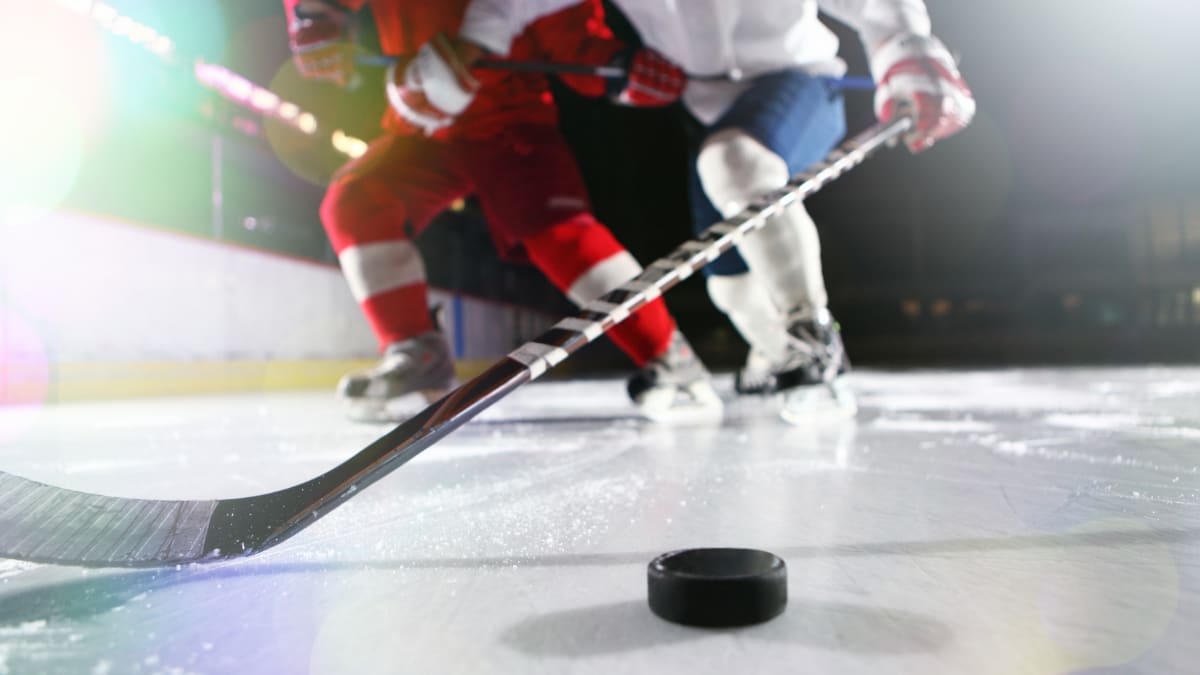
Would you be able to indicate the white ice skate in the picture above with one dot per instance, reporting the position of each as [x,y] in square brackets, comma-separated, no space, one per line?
[412,374]
[757,376]
[813,378]
[675,386]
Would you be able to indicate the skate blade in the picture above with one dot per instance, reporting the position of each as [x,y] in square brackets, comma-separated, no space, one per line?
[817,403]
[696,403]
[392,410]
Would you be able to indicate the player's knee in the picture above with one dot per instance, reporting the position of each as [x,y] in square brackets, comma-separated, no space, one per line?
[353,213]
[337,207]
[582,258]
[735,167]
[603,276]
[730,292]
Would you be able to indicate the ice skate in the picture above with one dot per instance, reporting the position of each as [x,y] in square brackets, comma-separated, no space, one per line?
[412,373]
[812,379]
[674,386]
[755,377]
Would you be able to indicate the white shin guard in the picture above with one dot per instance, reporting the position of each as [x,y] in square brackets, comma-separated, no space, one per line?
[735,167]
[785,254]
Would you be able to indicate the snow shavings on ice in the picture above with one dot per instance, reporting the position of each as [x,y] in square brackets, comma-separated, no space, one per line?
[1027,449]
[922,424]
[11,568]
[1174,388]
[1103,421]
[1159,427]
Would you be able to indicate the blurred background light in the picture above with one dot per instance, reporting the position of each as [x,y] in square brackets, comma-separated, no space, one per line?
[288,111]
[348,145]
[307,123]
[1077,139]
[245,93]
[192,29]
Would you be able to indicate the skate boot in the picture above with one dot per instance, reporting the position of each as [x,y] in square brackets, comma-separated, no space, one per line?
[412,373]
[756,377]
[674,386]
[811,377]
[761,376]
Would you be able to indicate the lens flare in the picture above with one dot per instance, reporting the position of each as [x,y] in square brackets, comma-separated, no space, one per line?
[52,103]
[196,29]
[44,160]
[1104,606]
[297,136]
[24,375]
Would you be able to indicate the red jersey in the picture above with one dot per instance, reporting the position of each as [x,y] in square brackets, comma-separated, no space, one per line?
[577,34]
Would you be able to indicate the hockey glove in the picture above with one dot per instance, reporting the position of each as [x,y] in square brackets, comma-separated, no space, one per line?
[919,73]
[321,42]
[650,80]
[432,88]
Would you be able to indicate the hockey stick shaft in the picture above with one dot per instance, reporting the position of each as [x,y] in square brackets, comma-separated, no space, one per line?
[546,67]
[44,523]
[607,72]
[531,360]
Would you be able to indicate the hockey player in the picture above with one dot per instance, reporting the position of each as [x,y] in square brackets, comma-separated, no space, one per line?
[770,115]
[450,131]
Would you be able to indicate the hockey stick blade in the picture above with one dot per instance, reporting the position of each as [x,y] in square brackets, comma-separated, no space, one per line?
[48,524]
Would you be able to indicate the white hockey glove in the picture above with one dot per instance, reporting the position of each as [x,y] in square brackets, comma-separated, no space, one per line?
[918,73]
[433,88]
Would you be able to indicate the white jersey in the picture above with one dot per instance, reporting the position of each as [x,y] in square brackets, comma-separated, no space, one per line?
[737,38]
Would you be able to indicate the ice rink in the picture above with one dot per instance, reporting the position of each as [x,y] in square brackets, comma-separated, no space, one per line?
[1017,521]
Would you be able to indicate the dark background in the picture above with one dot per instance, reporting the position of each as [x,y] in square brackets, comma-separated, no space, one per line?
[1063,226]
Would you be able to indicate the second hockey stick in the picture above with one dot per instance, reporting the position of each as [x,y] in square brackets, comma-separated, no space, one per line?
[44,523]
[845,83]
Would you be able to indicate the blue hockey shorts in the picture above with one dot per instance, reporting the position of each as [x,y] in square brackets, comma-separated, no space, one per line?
[798,116]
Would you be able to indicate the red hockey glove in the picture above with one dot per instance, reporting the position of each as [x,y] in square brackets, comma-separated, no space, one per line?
[650,79]
[322,46]
[433,88]
[919,73]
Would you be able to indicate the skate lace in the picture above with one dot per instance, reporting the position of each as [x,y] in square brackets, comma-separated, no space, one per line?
[811,347]
[414,354]
[393,362]
[679,365]
[396,359]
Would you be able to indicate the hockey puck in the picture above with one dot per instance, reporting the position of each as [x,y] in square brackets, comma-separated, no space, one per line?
[717,587]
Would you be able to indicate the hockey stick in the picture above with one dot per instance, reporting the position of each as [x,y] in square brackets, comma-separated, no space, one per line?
[546,67]
[846,83]
[43,523]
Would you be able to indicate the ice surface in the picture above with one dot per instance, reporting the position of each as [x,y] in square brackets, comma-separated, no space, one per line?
[1038,521]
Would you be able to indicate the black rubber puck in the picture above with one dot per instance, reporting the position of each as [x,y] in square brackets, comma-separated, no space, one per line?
[717,587]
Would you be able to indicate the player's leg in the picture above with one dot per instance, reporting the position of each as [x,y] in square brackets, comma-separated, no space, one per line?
[741,295]
[735,167]
[375,205]
[783,124]
[554,224]
[581,257]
